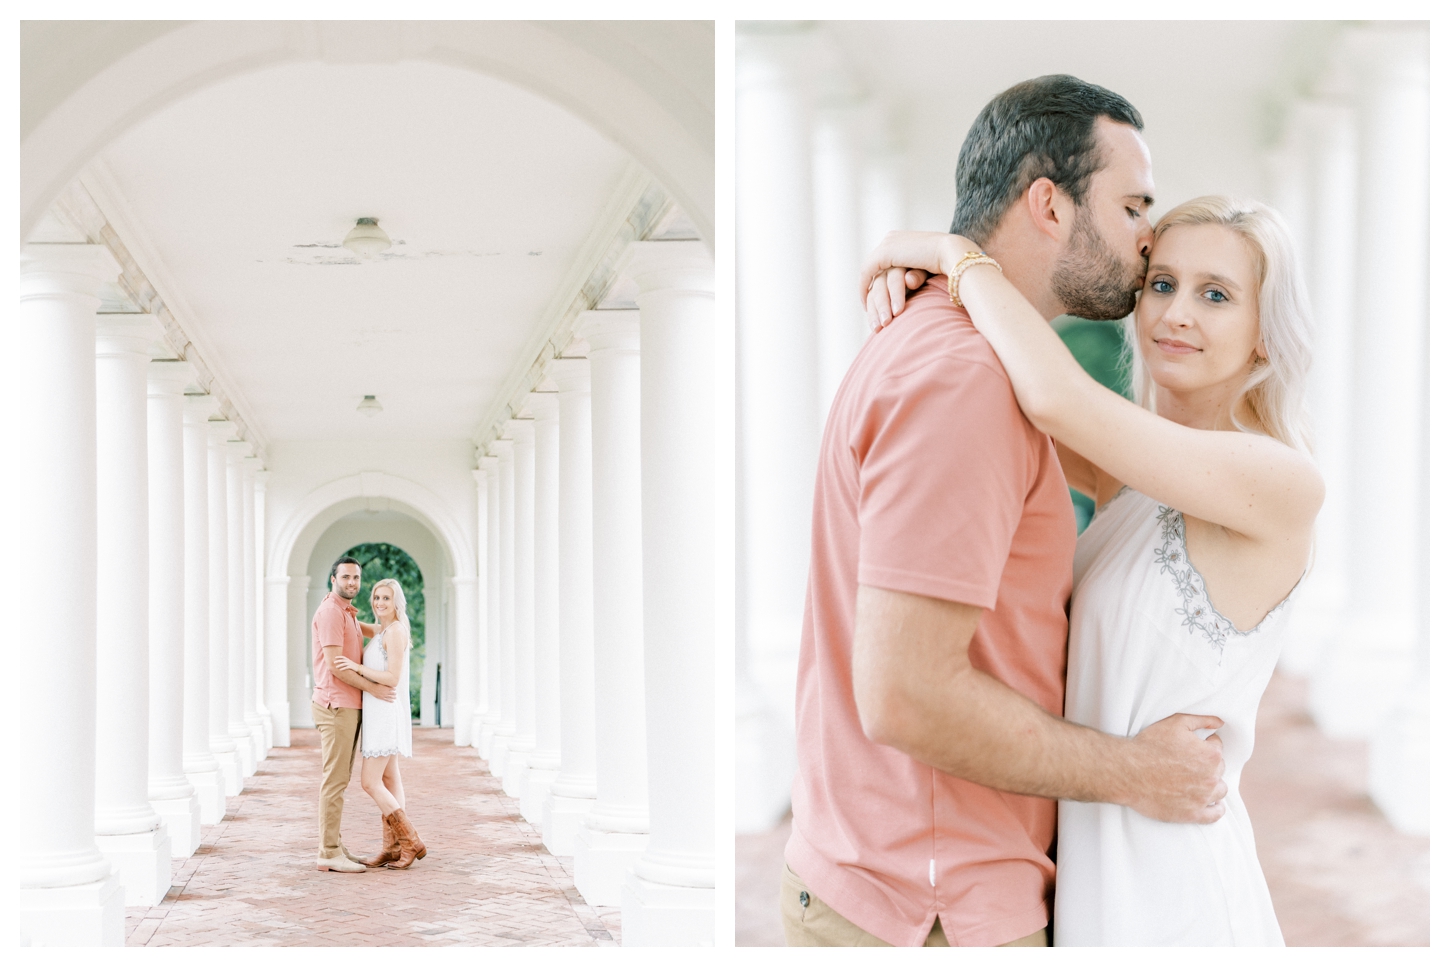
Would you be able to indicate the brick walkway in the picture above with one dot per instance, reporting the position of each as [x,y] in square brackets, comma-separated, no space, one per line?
[1339,874]
[487,880]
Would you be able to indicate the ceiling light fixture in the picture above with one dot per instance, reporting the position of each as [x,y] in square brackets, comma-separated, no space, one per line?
[370,406]
[367,239]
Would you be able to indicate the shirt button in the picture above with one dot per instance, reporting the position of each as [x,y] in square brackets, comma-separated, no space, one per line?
[805,899]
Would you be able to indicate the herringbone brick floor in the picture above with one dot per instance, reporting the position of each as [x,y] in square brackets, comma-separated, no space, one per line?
[487,879]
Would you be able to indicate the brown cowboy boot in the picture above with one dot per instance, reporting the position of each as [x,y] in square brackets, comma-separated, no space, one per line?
[407,840]
[392,849]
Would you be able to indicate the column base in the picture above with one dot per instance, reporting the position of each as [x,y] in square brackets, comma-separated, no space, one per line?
[1402,760]
[143,862]
[268,733]
[536,783]
[230,763]
[211,795]
[563,819]
[484,740]
[259,737]
[463,723]
[92,915]
[601,860]
[498,754]
[1351,693]
[515,768]
[246,751]
[182,819]
[281,715]
[655,915]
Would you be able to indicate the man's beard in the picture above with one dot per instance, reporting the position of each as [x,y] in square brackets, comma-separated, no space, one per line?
[1089,281]
[345,596]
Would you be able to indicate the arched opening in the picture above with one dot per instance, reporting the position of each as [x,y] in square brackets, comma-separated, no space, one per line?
[380,561]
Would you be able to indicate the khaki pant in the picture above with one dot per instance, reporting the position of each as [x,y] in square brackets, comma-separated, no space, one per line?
[813,924]
[339,728]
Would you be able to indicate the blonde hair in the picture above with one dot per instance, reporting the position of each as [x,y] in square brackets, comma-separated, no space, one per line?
[400,604]
[1276,391]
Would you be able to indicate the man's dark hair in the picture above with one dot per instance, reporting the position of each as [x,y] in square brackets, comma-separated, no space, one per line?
[338,563]
[1042,128]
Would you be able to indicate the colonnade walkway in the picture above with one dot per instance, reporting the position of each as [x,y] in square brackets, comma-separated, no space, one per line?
[487,879]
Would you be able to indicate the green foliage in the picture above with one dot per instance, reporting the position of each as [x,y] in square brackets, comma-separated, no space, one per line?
[381,561]
[1101,349]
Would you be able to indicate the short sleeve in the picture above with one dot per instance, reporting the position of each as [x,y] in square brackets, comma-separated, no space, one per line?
[946,463]
[330,628]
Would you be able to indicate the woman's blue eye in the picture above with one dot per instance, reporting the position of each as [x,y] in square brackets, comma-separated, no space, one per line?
[1213,295]
[1162,285]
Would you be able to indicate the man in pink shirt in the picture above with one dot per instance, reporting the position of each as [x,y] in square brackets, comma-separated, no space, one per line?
[930,740]
[337,707]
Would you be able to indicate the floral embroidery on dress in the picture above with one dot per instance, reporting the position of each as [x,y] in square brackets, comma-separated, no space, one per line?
[1197,611]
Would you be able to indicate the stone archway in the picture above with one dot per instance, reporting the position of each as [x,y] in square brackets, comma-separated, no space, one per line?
[292,590]
[647,86]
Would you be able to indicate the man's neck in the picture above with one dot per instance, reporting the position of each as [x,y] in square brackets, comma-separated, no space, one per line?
[1027,264]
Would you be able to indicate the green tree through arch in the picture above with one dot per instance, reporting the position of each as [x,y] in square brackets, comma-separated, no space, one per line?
[381,561]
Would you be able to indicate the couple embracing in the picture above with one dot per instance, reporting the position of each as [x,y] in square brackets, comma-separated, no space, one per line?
[974,768]
[360,702]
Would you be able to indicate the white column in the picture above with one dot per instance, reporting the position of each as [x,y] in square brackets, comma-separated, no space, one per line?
[522,743]
[485,713]
[299,651]
[1395,148]
[507,725]
[668,898]
[778,406]
[840,321]
[68,893]
[572,794]
[1328,256]
[223,746]
[172,795]
[616,831]
[251,666]
[275,706]
[1372,660]
[197,758]
[237,726]
[128,830]
[544,760]
[465,657]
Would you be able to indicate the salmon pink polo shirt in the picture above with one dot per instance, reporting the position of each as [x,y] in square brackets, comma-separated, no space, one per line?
[932,482]
[335,623]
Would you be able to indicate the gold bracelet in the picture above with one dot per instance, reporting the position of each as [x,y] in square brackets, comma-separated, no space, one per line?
[954,278]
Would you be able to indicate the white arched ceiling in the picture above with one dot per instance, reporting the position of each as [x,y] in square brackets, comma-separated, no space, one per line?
[290,552]
[648,86]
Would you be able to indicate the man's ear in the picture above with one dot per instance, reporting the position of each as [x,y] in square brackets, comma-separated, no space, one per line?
[1050,209]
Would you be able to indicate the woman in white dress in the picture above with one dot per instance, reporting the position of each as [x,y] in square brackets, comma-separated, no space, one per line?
[387,727]
[1206,498]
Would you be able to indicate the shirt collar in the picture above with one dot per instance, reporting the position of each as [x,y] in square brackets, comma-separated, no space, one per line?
[342,603]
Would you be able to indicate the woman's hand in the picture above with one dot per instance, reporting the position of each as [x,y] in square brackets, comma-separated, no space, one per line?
[903,261]
[346,664]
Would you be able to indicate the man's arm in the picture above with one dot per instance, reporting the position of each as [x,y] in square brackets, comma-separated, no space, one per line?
[383,692]
[916,691]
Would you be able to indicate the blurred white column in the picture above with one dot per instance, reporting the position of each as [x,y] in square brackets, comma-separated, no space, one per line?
[1397,97]
[274,671]
[200,762]
[299,650]
[503,732]
[522,743]
[260,476]
[465,656]
[778,407]
[172,795]
[128,830]
[572,793]
[237,726]
[841,322]
[223,745]
[543,766]
[1328,255]
[251,666]
[615,833]
[1371,662]
[68,893]
[668,898]
[488,715]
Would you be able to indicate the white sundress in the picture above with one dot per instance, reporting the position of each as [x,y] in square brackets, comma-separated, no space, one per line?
[387,727]
[1145,642]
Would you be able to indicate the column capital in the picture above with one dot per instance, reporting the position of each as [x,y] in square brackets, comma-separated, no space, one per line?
[200,407]
[169,377]
[276,581]
[544,406]
[501,447]
[238,450]
[606,329]
[465,581]
[486,462]
[261,475]
[218,432]
[670,265]
[127,334]
[521,430]
[570,373]
[66,269]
